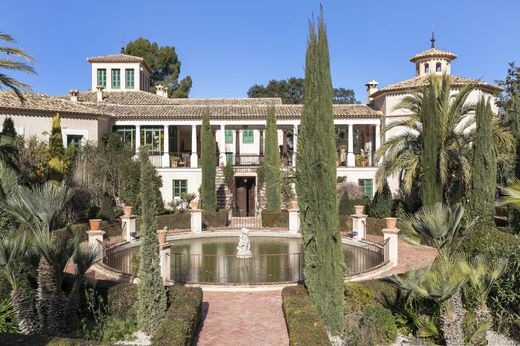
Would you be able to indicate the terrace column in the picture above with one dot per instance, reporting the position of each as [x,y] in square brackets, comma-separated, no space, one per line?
[284,144]
[222,144]
[378,141]
[295,144]
[137,138]
[351,158]
[261,149]
[237,146]
[391,237]
[166,153]
[194,160]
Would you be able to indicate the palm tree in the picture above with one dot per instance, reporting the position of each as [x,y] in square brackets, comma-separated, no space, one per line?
[23,64]
[402,152]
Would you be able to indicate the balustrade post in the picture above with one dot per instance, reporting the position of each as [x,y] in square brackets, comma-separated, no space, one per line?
[351,158]
[196,220]
[392,234]
[294,219]
[95,241]
[128,225]
[164,255]
[359,221]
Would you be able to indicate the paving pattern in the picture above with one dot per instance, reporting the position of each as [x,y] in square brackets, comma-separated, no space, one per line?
[243,318]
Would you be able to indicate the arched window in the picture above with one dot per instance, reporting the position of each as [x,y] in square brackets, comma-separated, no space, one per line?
[426,68]
[438,67]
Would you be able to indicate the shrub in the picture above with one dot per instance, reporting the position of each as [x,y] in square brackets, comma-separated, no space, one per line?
[275,219]
[107,207]
[302,319]
[381,205]
[353,190]
[381,324]
[182,318]
[346,204]
[218,218]
[174,221]
[121,301]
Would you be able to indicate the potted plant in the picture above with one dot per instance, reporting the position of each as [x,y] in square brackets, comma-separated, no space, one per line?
[161,235]
[293,204]
[127,210]
[342,149]
[95,224]
[175,161]
[391,222]
[359,209]
[194,205]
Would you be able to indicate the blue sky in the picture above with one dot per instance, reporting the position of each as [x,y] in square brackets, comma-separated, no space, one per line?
[227,46]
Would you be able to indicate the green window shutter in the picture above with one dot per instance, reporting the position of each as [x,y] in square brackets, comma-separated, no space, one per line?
[116,79]
[129,78]
[247,136]
[229,136]
[369,188]
[102,77]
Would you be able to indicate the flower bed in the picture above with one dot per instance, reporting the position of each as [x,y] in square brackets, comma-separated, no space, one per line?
[302,319]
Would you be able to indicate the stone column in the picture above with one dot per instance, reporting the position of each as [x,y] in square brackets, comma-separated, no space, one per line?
[222,144]
[392,234]
[128,225]
[196,220]
[284,143]
[377,142]
[237,147]
[95,240]
[359,222]
[166,151]
[294,220]
[295,144]
[165,261]
[261,148]
[137,138]
[194,160]
[351,158]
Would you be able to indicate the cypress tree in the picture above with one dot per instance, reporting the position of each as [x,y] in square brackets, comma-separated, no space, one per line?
[382,204]
[208,195]
[8,147]
[272,163]
[316,185]
[8,128]
[484,166]
[431,185]
[151,295]
[57,151]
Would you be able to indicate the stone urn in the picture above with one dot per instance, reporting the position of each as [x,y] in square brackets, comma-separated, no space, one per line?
[342,149]
[194,205]
[127,210]
[391,222]
[293,205]
[161,236]
[95,224]
[359,209]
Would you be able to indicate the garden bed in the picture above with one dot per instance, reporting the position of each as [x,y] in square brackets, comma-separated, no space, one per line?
[214,219]
[275,219]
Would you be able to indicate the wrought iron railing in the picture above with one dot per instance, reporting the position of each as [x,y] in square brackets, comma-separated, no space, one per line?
[248,159]
[362,258]
[228,269]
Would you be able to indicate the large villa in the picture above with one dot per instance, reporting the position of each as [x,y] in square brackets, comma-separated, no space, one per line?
[120,100]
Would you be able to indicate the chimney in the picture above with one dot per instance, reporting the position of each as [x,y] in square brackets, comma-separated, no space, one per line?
[74,95]
[371,89]
[165,92]
[99,93]
[161,91]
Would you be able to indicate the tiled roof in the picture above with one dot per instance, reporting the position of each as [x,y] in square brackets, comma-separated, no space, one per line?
[119,58]
[421,81]
[432,53]
[145,98]
[231,112]
[45,103]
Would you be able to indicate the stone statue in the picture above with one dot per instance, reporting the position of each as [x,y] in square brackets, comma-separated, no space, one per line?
[244,245]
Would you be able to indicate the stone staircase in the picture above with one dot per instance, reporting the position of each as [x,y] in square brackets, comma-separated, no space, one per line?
[224,195]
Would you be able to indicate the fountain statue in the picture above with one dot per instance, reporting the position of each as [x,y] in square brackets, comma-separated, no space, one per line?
[244,245]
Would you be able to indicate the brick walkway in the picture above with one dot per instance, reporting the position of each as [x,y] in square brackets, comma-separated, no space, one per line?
[243,318]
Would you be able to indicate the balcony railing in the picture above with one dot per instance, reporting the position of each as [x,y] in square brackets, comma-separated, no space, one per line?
[248,159]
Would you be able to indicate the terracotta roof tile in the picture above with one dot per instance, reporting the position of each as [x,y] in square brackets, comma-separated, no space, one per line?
[432,53]
[119,58]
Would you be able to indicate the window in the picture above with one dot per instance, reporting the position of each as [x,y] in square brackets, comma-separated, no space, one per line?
[229,136]
[74,140]
[438,67]
[426,68]
[153,138]
[102,77]
[179,187]
[368,187]
[129,78]
[247,136]
[127,134]
[116,78]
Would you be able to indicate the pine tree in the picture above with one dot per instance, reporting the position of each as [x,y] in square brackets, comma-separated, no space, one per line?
[431,185]
[272,163]
[382,204]
[208,195]
[484,167]
[57,151]
[316,185]
[151,295]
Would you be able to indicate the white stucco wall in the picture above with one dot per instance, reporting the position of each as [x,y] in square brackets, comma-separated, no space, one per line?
[192,175]
[122,67]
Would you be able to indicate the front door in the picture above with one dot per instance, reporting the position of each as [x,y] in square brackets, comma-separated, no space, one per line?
[245,196]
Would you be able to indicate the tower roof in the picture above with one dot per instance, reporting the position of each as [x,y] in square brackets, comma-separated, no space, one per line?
[433,53]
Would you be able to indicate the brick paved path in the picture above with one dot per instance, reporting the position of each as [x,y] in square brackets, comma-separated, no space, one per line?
[243,318]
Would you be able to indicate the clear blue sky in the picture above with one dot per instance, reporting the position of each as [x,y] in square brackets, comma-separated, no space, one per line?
[226,46]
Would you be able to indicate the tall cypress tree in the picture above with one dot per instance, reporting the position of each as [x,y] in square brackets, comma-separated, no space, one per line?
[272,163]
[316,185]
[151,295]
[431,185]
[208,156]
[484,166]
[56,151]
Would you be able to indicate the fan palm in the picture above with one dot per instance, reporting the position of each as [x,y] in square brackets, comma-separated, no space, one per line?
[402,152]
[22,64]
[512,193]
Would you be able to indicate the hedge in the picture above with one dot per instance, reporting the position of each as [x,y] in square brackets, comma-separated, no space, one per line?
[121,299]
[374,226]
[212,219]
[182,318]
[39,340]
[174,221]
[303,322]
[275,218]
[112,228]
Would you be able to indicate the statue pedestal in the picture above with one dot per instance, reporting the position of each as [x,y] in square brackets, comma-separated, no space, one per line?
[244,254]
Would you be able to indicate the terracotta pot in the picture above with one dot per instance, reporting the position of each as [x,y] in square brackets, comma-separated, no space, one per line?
[342,150]
[293,205]
[161,236]
[391,222]
[95,224]
[127,210]
[194,205]
[359,209]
